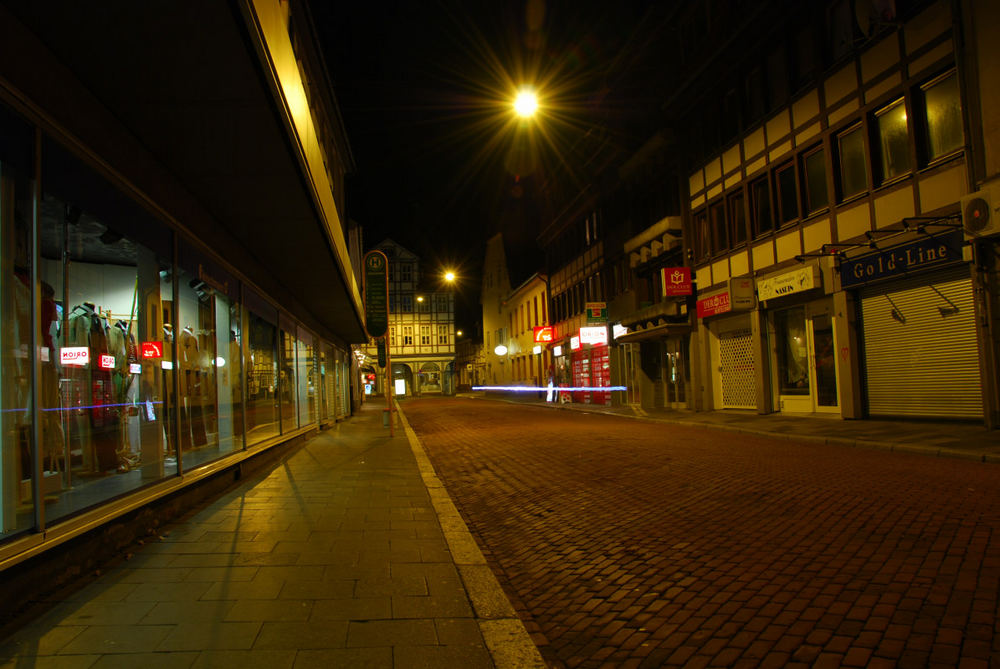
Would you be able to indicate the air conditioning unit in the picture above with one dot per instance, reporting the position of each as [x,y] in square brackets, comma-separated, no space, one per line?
[981,213]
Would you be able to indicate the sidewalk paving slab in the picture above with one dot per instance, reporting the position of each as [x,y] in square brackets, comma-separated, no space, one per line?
[348,553]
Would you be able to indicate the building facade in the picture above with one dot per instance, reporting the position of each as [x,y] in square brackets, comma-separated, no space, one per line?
[834,274]
[833,169]
[179,293]
[421,326]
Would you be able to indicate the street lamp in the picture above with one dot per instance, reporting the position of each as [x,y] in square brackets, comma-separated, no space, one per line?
[526,103]
[449,277]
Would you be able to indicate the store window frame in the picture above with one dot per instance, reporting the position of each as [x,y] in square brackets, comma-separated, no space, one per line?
[893,150]
[851,184]
[761,207]
[786,194]
[927,158]
[810,204]
[719,234]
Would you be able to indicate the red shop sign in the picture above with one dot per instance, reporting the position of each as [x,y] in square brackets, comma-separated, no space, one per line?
[152,349]
[717,304]
[676,280]
[544,334]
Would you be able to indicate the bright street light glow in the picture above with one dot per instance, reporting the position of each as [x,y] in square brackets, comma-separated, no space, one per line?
[449,276]
[525,104]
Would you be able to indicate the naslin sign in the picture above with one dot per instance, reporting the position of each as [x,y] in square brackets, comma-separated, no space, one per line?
[925,253]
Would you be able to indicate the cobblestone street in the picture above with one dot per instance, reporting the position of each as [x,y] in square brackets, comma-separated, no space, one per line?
[635,544]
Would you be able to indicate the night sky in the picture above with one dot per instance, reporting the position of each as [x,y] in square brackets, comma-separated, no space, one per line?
[425,90]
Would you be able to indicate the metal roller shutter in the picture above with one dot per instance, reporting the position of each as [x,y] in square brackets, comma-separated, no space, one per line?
[739,380]
[921,357]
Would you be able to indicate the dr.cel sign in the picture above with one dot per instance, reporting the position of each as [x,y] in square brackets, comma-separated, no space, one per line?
[916,256]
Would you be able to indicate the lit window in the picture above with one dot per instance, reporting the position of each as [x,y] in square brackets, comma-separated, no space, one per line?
[943,116]
[894,141]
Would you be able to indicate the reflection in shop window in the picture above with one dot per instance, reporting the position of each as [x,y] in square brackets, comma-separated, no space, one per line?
[16,452]
[106,325]
[262,377]
[287,390]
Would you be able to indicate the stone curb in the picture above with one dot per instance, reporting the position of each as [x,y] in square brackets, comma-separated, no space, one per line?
[508,641]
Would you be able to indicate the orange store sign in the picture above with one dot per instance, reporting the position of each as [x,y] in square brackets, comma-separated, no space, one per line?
[544,334]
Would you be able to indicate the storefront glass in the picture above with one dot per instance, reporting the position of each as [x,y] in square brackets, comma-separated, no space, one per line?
[106,327]
[16,462]
[792,351]
[287,390]
[209,359]
[305,373]
[262,372]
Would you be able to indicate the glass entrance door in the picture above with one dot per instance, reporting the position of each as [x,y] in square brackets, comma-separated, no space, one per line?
[805,361]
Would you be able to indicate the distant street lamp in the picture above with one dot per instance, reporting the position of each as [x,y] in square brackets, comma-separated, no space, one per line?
[449,277]
[526,103]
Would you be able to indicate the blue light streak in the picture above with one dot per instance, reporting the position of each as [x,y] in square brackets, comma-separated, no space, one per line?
[560,389]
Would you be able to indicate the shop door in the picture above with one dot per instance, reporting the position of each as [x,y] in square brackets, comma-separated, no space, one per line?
[920,351]
[736,368]
[805,361]
[600,374]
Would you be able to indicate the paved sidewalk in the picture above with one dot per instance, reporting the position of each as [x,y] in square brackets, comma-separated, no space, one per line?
[349,553]
[937,438]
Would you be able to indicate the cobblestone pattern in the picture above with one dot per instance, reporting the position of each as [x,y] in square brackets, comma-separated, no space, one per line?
[633,544]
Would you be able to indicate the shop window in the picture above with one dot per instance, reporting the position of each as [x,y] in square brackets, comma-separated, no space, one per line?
[760,207]
[208,359]
[305,375]
[702,249]
[16,263]
[853,165]
[737,219]
[814,176]
[785,193]
[262,370]
[288,397]
[717,223]
[893,141]
[107,326]
[942,110]
[793,351]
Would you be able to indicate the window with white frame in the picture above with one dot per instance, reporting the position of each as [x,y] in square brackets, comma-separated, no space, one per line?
[407,335]
[443,334]
[425,335]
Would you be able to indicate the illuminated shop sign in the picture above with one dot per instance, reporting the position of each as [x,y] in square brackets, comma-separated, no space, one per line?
[738,298]
[617,330]
[544,334]
[76,356]
[797,281]
[916,256]
[676,280]
[557,351]
[107,362]
[135,368]
[597,312]
[152,349]
[595,336]
[574,343]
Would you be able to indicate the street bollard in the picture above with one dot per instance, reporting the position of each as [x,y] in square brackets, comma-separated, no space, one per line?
[386,416]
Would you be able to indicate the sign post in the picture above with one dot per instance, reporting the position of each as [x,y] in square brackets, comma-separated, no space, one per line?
[377,315]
